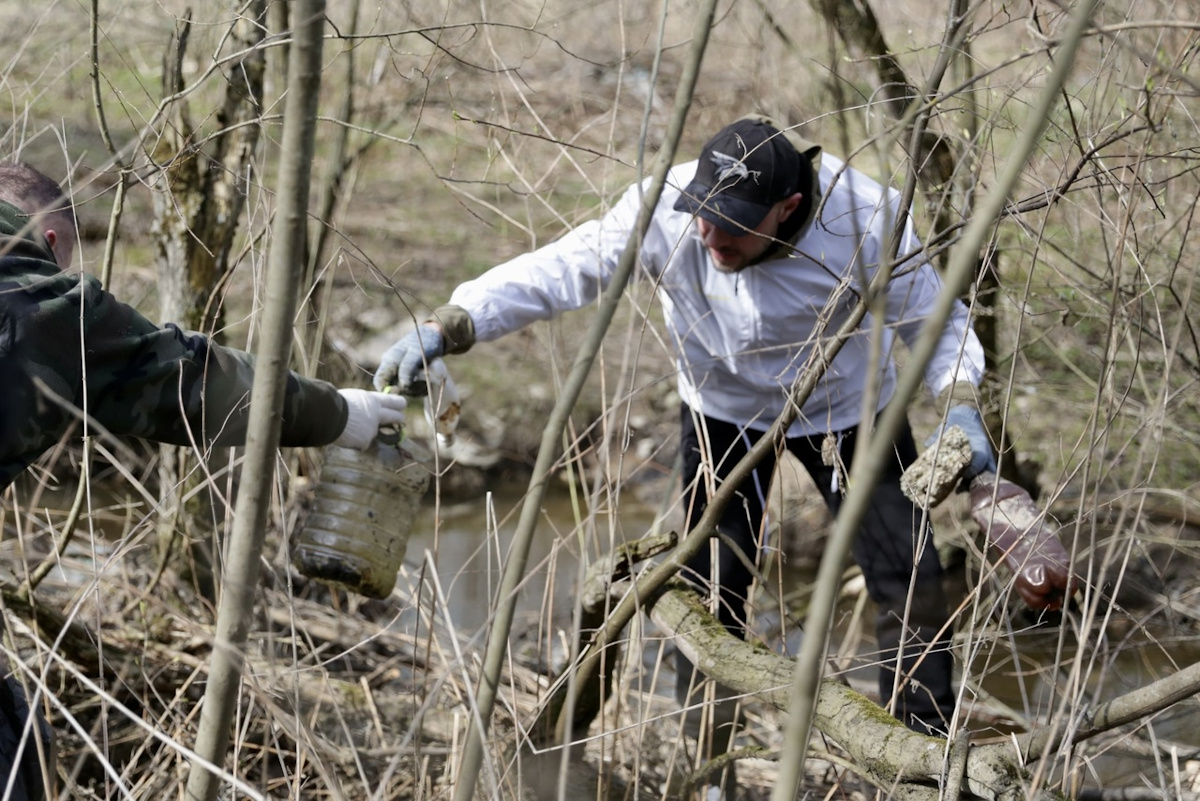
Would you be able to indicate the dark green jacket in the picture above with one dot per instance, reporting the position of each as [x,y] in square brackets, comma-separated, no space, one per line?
[67,344]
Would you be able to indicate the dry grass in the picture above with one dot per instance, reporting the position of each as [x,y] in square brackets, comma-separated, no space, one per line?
[479,141]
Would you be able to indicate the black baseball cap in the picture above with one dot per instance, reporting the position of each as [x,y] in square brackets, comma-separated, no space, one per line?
[744,170]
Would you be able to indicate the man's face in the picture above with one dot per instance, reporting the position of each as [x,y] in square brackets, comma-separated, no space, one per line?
[733,253]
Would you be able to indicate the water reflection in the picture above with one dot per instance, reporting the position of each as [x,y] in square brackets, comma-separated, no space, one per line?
[1031,670]
[469,543]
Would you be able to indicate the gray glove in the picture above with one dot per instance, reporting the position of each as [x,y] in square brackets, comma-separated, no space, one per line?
[403,365]
[970,421]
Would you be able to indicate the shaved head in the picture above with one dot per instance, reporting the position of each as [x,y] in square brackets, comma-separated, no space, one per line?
[43,200]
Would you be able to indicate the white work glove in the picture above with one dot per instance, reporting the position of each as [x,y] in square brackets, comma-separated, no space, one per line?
[367,412]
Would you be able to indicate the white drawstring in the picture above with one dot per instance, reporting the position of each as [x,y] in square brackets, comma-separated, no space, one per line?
[833,482]
[758,490]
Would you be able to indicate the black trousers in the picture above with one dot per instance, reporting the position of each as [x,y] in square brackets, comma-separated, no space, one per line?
[25,773]
[888,549]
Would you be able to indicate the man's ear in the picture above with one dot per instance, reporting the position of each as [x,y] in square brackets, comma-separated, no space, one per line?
[55,242]
[51,237]
[790,204]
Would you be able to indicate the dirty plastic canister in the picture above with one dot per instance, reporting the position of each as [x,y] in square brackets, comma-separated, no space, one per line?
[363,507]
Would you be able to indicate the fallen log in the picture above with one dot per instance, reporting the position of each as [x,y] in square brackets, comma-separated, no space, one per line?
[911,765]
[907,764]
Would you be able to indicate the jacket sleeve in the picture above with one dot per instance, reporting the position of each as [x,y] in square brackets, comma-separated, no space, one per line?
[163,383]
[912,296]
[565,275]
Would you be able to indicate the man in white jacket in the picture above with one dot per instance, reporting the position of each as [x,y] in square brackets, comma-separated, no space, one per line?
[756,249]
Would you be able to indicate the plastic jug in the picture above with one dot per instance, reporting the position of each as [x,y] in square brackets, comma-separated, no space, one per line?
[356,531]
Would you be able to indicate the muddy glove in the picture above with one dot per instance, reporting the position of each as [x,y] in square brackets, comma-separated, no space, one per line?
[367,412]
[971,422]
[403,365]
[962,397]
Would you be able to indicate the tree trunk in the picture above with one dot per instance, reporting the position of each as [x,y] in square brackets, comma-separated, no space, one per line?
[937,163]
[284,273]
[198,203]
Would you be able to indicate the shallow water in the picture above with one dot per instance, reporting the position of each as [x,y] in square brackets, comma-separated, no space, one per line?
[1014,663]
[469,542]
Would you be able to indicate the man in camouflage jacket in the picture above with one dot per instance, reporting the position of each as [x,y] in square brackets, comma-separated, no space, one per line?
[69,349]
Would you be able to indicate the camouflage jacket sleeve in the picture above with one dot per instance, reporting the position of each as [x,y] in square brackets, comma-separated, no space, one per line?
[66,344]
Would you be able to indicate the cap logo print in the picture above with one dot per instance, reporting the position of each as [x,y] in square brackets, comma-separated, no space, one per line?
[743,171]
[729,166]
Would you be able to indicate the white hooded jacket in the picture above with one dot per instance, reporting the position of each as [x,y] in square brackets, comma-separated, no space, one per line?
[742,338]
